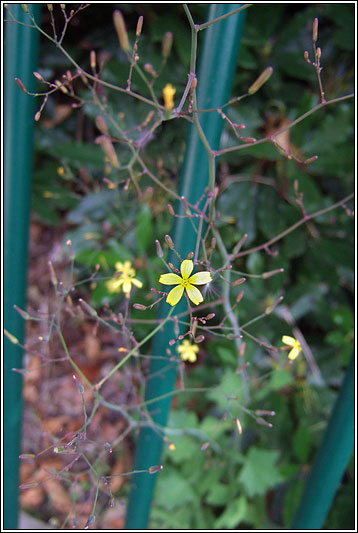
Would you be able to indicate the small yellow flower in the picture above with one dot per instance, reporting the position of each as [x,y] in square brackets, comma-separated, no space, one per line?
[168,93]
[296,347]
[188,351]
[186,282]
[124,280]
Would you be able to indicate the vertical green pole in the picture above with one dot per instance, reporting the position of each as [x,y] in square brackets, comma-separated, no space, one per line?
[21,49]
[216,70]
[331,460]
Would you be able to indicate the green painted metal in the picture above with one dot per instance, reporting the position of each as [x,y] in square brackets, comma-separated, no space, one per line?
[21,51]
[331,460]
[217,65]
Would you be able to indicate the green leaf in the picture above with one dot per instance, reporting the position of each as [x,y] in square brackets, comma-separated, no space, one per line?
[235,512]
[280,379]
[302,443]
[219,494]
[78,154]
[172,491]
[291,502]
[259,472]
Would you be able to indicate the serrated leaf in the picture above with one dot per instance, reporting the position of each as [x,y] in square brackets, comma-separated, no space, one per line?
[173,491]
[259,472]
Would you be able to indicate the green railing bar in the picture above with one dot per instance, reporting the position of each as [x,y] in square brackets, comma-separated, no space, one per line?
[216,70]
[331,460]
[21,51]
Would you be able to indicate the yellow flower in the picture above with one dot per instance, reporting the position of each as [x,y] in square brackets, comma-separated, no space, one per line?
[188,351]
[168,93]
[124,280]
[186,282]
[296,347]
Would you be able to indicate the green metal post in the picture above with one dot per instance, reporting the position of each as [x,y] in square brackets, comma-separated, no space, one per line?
[216,70]
[21,50]
[331,461]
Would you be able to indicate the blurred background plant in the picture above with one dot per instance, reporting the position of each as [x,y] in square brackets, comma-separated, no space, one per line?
[226,466]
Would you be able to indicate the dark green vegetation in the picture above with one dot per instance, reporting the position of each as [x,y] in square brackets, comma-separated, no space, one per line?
[252,480]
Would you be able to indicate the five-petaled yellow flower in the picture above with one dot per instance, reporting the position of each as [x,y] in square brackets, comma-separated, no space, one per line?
[188,351]
[124,280]
[168,93]
[186,282]
[296,347]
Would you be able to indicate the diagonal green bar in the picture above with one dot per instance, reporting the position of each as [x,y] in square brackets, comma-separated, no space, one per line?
[331,460]
[21,50]
[216,70]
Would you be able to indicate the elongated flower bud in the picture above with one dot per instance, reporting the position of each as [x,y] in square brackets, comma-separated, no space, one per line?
[108,149]
[20,85]
[101,125]
[139,26]
[88,308]
[121,30]
[263,78]
[167,43]
[154,469]
[315,29]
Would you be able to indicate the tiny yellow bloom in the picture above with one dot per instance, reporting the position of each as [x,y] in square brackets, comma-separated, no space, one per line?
[186,282]
[168,93]
[296,347]
[124,280]
[188,351]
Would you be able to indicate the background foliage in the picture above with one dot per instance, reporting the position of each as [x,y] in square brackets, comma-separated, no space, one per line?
[253,480]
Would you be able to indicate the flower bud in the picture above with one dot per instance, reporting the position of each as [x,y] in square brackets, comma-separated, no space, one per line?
[169,241]
[159,249]
[20,85]
[167,44]
[11,337]
[108,149]
[310,159]
[93,59]
[140,307]
[121,30]
[155,469]
[139,26]
[101,125]
[263,78]
[88,308]
[266,275]
[315,29]
[238,282]
[22,313]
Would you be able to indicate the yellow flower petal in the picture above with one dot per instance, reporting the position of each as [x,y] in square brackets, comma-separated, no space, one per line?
[294,353]
[127,285]
[200,278]
[137,283]
[186,268]
[175,295]
[170,279]
[119,266]
[194,294]
[289,340]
